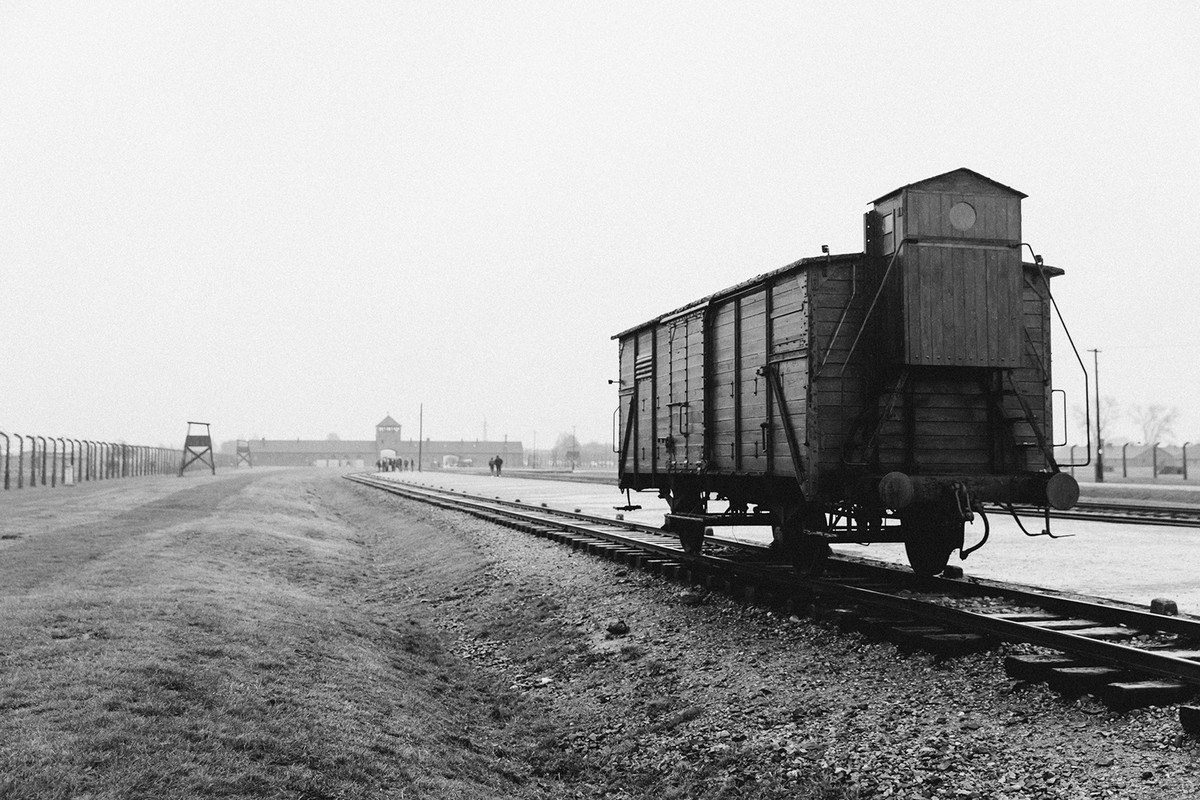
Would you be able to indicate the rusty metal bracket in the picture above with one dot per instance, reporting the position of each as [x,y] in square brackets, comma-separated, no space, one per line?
[1045,532]
[629,506]
[987,529]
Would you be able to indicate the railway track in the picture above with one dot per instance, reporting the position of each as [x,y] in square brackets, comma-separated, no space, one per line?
[1131,513]
[1126,656]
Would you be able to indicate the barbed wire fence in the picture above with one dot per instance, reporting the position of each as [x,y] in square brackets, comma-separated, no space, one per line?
[34,460]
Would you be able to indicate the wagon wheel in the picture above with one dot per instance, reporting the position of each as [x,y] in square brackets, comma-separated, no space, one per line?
[808,554]
[805,551]
[692,539]
[930,538]
[685,499]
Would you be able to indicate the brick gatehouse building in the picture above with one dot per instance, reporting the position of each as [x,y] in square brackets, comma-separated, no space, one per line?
[388,443]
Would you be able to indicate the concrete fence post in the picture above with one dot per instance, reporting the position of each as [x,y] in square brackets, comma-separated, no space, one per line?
[33,463]
[20,461]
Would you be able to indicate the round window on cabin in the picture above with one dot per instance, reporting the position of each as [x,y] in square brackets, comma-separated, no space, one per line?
[962,216]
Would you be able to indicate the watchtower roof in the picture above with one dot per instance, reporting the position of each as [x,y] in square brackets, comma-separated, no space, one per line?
[388,422]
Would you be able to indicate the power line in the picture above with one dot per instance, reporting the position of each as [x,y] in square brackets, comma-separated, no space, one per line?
[1153,347]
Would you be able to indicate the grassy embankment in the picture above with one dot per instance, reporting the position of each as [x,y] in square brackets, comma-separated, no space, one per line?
[228,642]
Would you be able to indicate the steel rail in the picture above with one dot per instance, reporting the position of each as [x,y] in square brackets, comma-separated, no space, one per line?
[601,527]
[1132,514]
[1158,662]
[1153,661]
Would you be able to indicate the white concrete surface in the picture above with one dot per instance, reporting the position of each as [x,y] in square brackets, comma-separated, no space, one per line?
[1131,563]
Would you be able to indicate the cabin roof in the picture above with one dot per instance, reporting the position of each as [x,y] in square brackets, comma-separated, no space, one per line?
[946,177]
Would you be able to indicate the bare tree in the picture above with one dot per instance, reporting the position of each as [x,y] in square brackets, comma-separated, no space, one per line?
[1110,412]
[564,444]
[1155,421]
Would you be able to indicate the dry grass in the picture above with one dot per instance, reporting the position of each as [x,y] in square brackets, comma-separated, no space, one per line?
[226,650]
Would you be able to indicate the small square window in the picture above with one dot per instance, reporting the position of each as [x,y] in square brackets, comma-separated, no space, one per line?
[889,236]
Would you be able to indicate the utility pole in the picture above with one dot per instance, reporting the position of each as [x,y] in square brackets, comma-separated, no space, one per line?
[420,437]
[1099,436]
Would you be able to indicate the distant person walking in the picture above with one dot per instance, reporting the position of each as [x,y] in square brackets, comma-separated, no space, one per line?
[499,463]
[492,466]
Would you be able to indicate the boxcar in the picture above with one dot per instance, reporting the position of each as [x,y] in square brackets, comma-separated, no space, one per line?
[874,396]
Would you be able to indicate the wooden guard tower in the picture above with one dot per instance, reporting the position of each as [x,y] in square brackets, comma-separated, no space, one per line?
[197,447]
[243,454]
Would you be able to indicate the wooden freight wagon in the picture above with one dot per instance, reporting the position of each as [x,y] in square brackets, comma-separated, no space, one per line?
[874,396]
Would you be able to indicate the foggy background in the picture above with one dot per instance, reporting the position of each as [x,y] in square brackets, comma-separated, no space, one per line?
[291,218]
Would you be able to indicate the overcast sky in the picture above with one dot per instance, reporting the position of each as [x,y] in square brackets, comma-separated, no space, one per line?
[290,219]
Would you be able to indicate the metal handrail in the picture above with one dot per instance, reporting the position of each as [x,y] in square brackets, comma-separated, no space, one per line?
[1037,260]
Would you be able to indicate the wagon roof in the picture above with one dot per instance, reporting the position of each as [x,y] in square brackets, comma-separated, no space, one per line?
[941,178]
[736,288]
[842,258]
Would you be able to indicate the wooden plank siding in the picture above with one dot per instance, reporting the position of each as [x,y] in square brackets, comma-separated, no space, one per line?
[1033,377]
[722,389]
[998,216]
[686,402]
[949,420]
[789,358]
[839,298]
[625,397]
[961,306]
[655,440]
[646,398]
[752,387]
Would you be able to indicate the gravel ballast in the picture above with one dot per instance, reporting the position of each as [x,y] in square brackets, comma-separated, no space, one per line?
[706,697]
